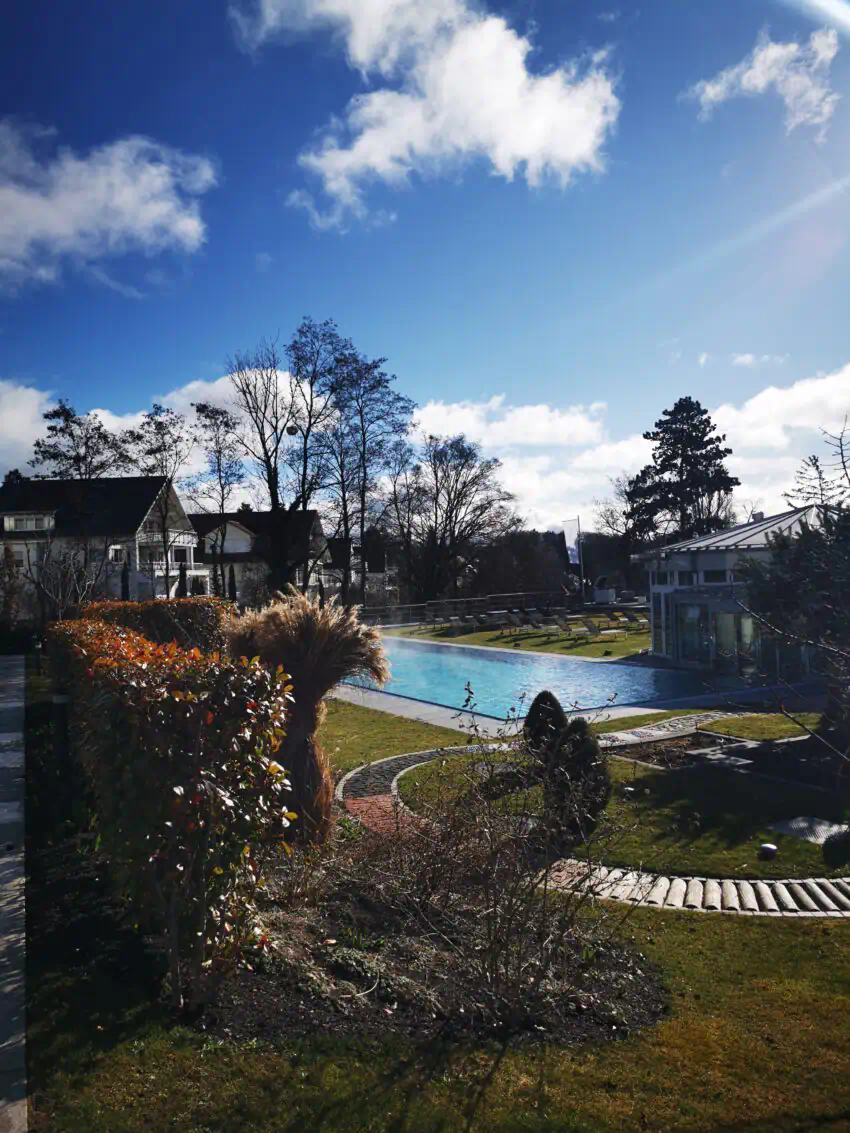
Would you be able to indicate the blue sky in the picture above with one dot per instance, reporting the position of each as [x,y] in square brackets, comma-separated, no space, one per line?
[553,217]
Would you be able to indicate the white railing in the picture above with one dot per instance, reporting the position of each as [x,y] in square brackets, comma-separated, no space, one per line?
[158,566]
[175,538]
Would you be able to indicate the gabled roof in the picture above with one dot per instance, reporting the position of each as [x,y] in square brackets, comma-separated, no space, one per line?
[115,505]
[745,537]
[296,524]
[291,531]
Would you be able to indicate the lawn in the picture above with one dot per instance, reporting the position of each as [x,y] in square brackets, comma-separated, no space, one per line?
[756,1036]
[702,821]
[765,726]
[530,640]
[352,735]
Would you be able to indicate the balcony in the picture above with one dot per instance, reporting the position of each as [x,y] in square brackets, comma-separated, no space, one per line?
[175,538]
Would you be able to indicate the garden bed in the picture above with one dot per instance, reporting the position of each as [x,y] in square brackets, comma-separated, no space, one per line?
[357,967]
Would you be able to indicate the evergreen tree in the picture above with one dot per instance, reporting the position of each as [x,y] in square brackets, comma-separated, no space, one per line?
[231,583]
[125,582]
[182,586]
[687,489]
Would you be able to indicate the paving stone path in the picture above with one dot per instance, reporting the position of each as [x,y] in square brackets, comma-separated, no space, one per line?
[370,793]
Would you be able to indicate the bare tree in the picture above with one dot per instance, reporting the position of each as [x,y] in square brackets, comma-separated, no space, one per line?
[314,352]
[162,446]
[66,573]
[213,489]
[824,480]
[375,417]
[612,514]
[446,506]
[263,402]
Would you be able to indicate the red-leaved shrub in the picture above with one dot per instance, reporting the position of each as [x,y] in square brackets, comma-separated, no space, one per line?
[198,623]
[179,749]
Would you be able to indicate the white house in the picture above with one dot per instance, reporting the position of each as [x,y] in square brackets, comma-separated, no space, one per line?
[249,540]
[107,523]
[695,599]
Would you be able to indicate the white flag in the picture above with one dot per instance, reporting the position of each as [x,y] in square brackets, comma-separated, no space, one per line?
[571,534]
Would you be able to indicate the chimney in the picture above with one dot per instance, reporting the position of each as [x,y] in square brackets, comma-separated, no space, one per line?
[758,517]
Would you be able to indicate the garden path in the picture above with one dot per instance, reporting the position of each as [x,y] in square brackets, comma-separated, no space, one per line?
[370,793]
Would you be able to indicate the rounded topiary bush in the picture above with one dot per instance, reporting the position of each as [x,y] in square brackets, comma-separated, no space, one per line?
[545,721]
[577,782]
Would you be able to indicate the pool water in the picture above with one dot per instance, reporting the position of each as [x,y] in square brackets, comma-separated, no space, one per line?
[503,681]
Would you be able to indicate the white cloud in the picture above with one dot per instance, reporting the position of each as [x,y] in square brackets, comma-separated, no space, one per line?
[557,460]
[797,72]
[131,195]
[263,261]
[775,416]
[21,409]
[751,361]
[703,358]
[104,278]
[463,91]
[494,424]
[610,17]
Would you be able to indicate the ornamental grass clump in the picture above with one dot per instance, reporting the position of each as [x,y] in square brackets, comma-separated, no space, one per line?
[181,752]
[320,645]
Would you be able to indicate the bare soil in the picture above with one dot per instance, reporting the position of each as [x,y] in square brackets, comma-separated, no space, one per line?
[351,965]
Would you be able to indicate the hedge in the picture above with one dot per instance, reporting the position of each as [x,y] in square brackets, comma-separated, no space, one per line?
[191,622]
[178,748]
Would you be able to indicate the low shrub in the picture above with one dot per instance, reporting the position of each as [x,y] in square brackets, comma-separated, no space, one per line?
[576,781]
[198,623]
[545,720]
[179,750]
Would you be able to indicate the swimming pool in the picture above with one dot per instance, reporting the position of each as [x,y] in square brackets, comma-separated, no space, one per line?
[501,680]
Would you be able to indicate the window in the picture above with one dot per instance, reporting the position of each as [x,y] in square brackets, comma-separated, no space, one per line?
[686,578]
[661,578]
[714,576]
[181,554]
[38,522]
[116,554]
[20,523]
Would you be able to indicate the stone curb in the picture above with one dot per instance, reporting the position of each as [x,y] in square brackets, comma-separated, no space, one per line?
[785,897]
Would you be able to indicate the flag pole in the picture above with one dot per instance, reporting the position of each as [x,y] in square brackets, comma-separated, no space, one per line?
[580,556]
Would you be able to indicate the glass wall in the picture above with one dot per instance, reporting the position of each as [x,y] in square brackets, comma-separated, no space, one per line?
[725,642]
[692,632]
[657,637]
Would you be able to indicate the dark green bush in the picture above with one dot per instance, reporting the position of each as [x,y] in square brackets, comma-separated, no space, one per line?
[576,782]
[197,623]
[179,749]
[545,720]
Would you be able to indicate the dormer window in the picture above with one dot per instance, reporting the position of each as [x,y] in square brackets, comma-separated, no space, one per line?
[27,522]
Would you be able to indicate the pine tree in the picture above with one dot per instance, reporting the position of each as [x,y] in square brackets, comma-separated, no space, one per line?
[687,489]
[182,587]
[125,582]
[231,583]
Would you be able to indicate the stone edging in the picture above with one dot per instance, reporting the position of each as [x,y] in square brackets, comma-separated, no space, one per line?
[789,897]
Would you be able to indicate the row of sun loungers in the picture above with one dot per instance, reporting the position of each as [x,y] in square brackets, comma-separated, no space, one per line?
[552,623]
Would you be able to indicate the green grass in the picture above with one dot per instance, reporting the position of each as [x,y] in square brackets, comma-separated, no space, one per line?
[352,735]
[765,726]
[706,821]
[531,641]
[756,1038]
